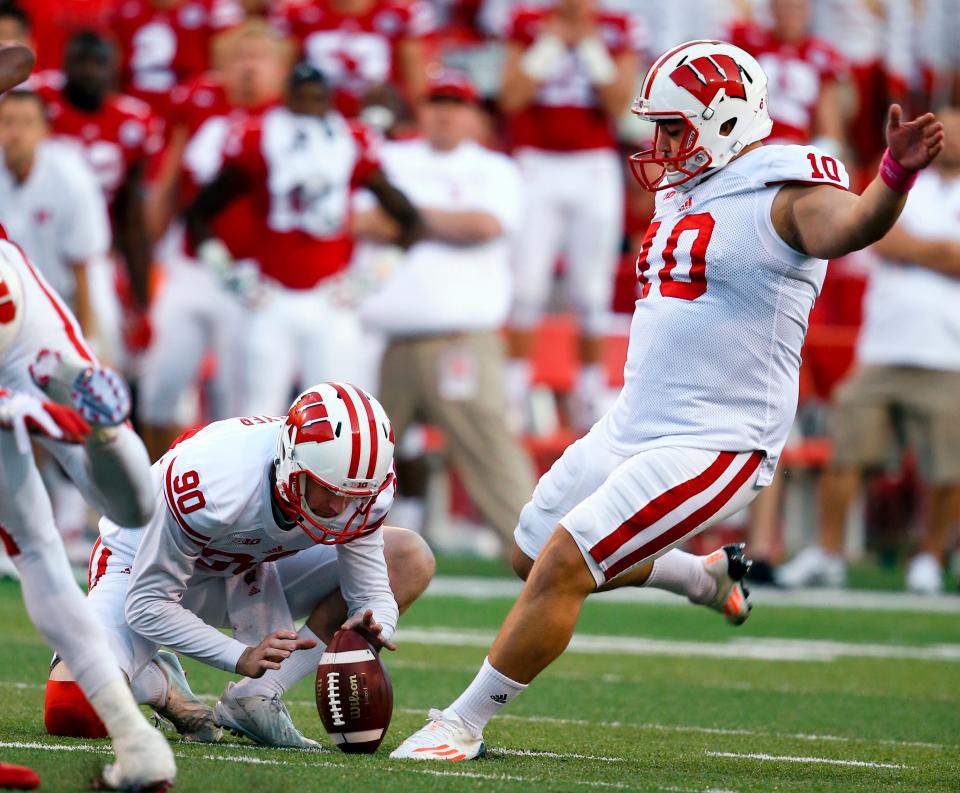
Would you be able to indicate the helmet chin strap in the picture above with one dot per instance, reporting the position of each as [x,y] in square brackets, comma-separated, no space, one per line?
[690,164]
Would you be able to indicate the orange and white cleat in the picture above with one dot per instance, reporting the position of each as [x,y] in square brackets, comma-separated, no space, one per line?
[728,567]
[445,737]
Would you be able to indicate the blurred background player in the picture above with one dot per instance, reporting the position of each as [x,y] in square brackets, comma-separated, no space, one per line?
[447,298]
[363,45]
[569,73]
[260,521]
[164,43]
[41,343]
[117,135]
[299,162]
[906,385]
[807,76]
[200,308]
[51,202]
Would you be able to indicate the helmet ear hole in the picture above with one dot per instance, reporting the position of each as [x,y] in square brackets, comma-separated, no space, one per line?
[728,126]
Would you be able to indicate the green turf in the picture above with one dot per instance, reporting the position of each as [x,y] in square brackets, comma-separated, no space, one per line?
[648,722]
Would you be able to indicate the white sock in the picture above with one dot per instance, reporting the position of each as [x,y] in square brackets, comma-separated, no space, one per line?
[149,687]
[488,692]
[115,706]
[683,573]
[292,670]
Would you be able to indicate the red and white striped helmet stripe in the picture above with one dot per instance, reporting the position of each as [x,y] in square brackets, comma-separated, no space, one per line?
[363,429]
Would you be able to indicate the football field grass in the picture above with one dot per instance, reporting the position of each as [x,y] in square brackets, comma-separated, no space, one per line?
[650,697]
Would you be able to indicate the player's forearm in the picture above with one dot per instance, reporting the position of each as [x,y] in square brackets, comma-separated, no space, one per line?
[132,241]
[615,96]
[461,227]
[365,583]
[376,226]
[81,302]
[16,63]
[398,207]
[518,88]
[942,256]
[158,619]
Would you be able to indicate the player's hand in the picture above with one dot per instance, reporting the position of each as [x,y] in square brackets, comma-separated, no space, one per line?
[270,652]
[370,629]
[25,415]
[915,143]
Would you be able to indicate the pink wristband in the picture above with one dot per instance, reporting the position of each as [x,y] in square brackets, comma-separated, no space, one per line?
[894,175]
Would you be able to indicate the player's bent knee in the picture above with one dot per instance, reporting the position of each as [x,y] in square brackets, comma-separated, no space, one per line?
[408,554]
[67,712]
[522,564]
[561,565]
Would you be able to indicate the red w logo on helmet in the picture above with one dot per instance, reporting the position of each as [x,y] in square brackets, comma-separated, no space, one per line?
[310,419]
[706,75]
[8,309]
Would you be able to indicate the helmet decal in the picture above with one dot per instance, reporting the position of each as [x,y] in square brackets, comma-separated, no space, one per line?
[331,436]
[705,76]
[309,420]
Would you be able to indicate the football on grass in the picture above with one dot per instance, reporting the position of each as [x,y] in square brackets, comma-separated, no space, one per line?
[354,694]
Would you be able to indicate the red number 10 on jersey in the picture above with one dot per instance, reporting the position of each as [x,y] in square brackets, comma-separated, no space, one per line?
[702,223]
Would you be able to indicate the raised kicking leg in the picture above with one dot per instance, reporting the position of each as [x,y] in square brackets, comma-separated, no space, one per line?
[606,545]
[57,607]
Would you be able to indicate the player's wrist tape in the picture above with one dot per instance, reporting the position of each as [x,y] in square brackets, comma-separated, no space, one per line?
[600,67]
[541,60]
[894,175]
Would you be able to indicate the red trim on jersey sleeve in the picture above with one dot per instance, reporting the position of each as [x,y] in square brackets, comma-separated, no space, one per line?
[368,153]
[9,544]
[72,331]
[192,534]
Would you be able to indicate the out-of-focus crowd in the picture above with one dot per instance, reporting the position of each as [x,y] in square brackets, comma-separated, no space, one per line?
[240,197]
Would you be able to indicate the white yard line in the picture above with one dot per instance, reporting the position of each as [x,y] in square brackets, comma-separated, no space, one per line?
[314,763]
[682,728]
[752,648]
[480,588]
[786,758]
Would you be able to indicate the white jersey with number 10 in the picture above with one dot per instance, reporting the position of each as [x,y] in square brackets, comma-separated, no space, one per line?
[714,355]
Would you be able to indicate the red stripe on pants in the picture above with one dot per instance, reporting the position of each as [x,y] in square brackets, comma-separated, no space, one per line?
[685,526]
[660,507]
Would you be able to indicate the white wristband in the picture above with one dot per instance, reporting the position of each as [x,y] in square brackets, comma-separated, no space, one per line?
[593,54]
[541,60]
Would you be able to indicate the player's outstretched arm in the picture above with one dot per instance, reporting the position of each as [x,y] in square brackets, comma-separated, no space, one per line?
[16,63]
[827,223]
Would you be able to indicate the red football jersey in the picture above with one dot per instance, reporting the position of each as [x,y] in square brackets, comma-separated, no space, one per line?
[202,109]
[355,52]
[303,170]
[55,21]
[566,114]
[124,131]
[163,44]
[795,75]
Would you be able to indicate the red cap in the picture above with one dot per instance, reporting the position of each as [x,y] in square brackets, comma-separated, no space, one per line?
[448,84]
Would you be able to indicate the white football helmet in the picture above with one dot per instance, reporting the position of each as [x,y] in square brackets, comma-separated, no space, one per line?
[706,84]
[339,436]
